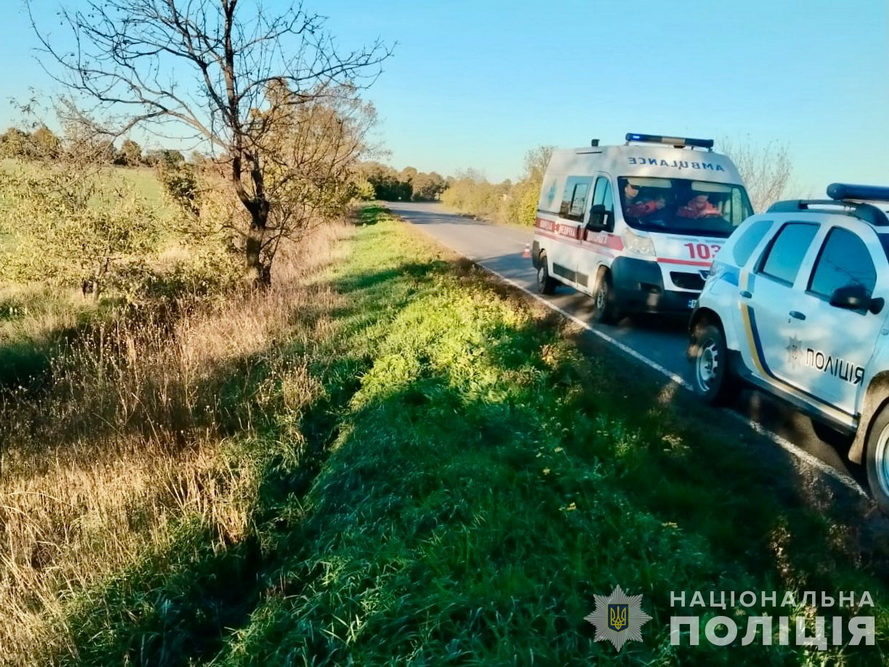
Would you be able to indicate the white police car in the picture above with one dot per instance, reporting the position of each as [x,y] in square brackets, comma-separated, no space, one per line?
[795,304]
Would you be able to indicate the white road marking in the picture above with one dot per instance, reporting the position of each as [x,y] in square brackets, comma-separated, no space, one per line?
[759,428]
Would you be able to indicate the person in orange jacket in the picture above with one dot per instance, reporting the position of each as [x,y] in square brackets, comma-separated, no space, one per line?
[698,207]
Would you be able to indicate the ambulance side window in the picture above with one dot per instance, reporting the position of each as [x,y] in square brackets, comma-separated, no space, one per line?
[602,208]
[574,198]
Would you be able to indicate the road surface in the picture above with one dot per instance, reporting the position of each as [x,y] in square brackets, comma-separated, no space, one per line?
[499,248]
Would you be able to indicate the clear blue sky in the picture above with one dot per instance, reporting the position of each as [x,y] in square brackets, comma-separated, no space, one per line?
[476,83]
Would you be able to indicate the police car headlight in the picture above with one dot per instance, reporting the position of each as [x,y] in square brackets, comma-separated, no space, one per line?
[640,245]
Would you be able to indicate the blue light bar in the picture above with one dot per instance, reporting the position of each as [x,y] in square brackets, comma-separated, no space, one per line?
[861,192]
[670,141]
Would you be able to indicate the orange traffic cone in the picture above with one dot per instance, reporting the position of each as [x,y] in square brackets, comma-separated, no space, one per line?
[527,253]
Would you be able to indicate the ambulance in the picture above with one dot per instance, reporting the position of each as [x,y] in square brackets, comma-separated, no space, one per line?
[636,226]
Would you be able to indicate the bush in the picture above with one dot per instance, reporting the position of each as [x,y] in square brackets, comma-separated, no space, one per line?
[180,183]
[73,224]
[472,194]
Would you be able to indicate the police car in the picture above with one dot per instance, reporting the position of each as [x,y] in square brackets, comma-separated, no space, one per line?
[795,304]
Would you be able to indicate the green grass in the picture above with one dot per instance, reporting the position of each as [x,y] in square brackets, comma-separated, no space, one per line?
[466,482]
[146,184]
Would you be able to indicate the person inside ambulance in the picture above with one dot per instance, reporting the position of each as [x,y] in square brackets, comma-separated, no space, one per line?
[698,206]
[636,207]
[630,194]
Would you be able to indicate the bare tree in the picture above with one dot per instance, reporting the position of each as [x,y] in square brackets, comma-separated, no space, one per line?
[766,169]
[218,68]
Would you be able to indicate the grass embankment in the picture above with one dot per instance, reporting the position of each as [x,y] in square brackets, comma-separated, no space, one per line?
[487,480]
[127,456]
[419,466]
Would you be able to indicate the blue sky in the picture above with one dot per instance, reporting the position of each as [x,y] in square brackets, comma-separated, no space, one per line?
[475,84]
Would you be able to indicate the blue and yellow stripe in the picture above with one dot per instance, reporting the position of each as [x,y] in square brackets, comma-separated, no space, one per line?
[749,320]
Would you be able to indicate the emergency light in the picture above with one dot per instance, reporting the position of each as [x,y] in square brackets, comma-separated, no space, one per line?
[678,142]
[862,192]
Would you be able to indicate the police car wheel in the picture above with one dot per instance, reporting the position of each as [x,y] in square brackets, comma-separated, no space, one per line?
[709,357]
[546,284]
[877,458]
[605,307]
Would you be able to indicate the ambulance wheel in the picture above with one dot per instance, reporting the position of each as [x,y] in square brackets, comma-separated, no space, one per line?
[708,354]
[606,311]
[546,284]
[877,458]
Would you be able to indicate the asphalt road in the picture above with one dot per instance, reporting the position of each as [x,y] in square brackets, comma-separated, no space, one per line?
[499,248]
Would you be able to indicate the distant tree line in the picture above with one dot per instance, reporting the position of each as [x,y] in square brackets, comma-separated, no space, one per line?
[469,192]
[408,184]
[43,142]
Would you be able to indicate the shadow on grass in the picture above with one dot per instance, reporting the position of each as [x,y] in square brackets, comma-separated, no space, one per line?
[369,215]
[26,363]
[465,488]
[177,606]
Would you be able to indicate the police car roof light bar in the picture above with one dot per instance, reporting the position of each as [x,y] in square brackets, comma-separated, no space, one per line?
[865,212]
[862,192]
[677,142]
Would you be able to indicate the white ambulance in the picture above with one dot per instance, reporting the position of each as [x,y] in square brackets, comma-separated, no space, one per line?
[636,226]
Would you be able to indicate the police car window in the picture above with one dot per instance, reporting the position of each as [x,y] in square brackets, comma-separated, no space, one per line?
[785,255]
[884,241]
[844,260]
[751,237]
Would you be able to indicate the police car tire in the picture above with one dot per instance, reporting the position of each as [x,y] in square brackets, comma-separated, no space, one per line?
[546,284]
[709,356]
[608,314]
[877,458]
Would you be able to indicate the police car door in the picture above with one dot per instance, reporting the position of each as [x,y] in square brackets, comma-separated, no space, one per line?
[569,228]
[769,297]
[835,343]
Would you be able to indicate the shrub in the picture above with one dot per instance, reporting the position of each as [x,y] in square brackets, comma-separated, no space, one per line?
[73,225]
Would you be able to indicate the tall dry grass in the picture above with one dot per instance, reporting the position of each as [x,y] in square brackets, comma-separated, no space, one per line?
[132,432]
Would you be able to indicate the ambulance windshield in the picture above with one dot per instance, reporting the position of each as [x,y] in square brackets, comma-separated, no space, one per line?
[683,206]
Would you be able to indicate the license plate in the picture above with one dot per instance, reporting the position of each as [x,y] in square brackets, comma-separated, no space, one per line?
[692,303]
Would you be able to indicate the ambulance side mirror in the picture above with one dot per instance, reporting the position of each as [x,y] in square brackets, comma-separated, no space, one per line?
[600,218]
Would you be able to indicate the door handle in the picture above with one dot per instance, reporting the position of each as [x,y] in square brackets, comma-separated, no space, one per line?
[797,315]
[745,294]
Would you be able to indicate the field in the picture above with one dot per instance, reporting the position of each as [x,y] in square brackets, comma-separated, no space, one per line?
[388,459]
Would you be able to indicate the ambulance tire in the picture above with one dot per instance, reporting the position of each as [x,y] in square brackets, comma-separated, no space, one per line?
[606,310]
[877,458]
[546,284]
[711,376]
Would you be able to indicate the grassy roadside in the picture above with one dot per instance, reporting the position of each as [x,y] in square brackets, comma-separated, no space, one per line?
[454,483]
[131,466]
[487,480]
